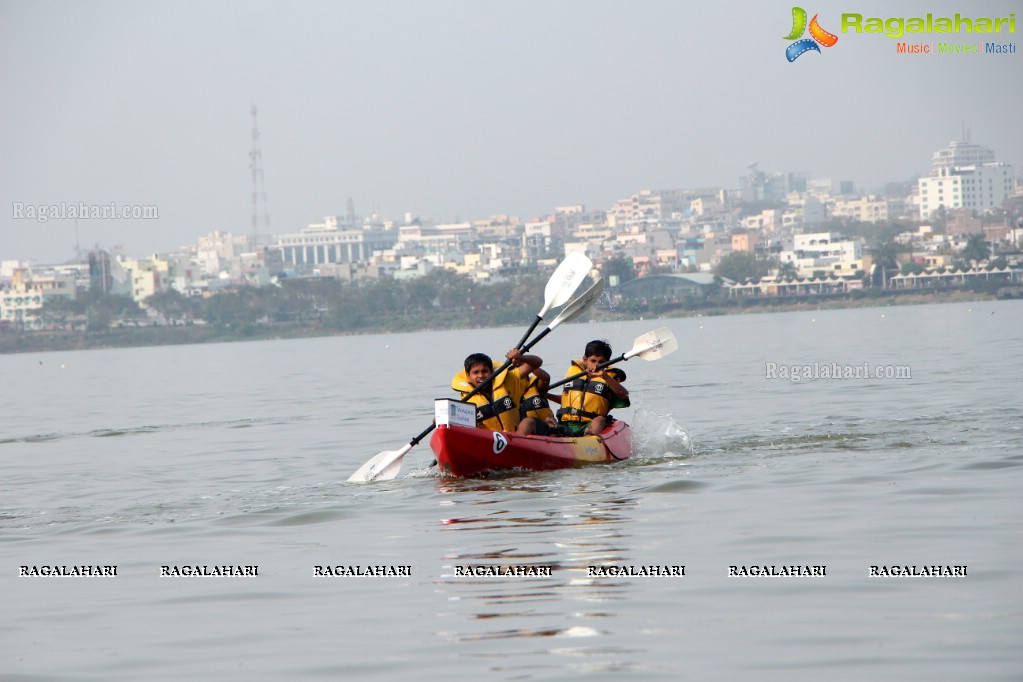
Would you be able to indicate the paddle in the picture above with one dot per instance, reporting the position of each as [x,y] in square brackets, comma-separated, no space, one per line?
[650,346]
[568,313]
[560,287]
[566,278]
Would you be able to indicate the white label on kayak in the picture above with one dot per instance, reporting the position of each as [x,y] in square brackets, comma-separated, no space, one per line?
[500,443]
[454,413]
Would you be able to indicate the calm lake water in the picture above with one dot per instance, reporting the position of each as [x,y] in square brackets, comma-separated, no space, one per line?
[238,454]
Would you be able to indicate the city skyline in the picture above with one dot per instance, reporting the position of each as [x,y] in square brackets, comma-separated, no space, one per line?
[452,110]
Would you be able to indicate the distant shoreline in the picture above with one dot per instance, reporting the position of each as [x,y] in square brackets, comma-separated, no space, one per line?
[138,337]
[784,305]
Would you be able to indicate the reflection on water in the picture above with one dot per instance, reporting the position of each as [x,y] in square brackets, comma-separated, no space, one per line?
[561,525]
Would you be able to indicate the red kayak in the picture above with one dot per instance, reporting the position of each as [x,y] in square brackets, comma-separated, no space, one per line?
[467,451]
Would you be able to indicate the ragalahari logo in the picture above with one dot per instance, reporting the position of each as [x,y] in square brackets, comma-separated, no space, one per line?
[818,35]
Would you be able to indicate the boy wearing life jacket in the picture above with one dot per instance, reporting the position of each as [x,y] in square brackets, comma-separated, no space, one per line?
[497,406]
[586,401]
[534,402]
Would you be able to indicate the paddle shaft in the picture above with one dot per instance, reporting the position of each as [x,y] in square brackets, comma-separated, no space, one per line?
[507,363]
[602,365]
[486,382]
[575,308]
[483,385]
[528,332]
[489,380]
[426,432]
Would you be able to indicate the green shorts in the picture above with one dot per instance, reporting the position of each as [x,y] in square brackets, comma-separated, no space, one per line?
[575,429]
[572,429]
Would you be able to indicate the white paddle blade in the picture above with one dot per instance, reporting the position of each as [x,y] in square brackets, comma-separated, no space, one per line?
[654,345]
[565,280]
[381,467]
[579,305]
[389,471]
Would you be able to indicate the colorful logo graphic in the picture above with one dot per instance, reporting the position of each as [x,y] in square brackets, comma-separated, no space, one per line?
[818,35]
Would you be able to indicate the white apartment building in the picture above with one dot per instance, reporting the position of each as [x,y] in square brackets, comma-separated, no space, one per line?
[445,241]
[644,208]
[144,283]
[331,243]
[538,229]
[821,187]
[23,301]
[978,187]
[216,251]
[868,209]
[147,276]
[655,208]
[768,220]
[828,244]
[826,251]
[225,244]
[592,232]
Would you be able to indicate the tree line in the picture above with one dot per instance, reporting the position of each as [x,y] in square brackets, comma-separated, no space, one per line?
[439,299]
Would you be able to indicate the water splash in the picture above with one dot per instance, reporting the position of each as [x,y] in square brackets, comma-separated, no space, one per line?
[659,435]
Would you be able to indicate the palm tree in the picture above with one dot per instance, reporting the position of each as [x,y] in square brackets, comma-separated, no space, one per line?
[173,306]
[788,271]
[886,260]
[976,249]
[618,265]
[59,310]
[420,295]
[939,217]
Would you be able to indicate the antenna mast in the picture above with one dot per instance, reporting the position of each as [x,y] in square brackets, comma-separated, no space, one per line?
[259,209]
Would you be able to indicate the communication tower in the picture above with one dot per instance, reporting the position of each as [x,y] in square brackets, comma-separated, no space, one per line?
[259,209]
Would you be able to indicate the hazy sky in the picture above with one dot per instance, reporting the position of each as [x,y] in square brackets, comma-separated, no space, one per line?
[457,109]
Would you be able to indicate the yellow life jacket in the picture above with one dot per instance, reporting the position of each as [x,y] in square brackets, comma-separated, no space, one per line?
[501,412]
[586,398]
[534,404]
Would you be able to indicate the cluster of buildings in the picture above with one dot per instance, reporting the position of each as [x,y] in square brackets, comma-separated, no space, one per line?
[674,239]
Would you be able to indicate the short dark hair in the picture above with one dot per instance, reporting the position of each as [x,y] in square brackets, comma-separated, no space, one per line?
[478,359]
[598,347]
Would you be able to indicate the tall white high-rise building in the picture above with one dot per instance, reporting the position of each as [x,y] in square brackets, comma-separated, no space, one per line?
[958,154]
[965,175]
[978,187]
